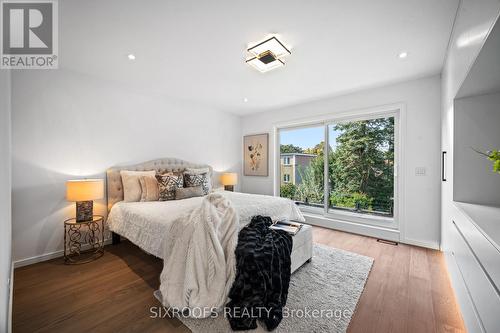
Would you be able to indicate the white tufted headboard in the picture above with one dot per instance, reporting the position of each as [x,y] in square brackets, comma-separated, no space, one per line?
[114,184]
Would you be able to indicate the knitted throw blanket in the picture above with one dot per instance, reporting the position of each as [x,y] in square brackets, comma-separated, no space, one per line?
[199,259]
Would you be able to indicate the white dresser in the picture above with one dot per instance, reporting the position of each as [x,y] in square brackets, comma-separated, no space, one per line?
[474,244]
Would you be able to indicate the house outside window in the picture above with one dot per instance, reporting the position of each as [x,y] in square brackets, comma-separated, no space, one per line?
[292,165]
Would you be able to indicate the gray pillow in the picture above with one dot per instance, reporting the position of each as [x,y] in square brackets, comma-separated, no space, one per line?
[188,192]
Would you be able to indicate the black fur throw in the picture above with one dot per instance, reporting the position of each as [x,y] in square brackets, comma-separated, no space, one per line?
[263,266]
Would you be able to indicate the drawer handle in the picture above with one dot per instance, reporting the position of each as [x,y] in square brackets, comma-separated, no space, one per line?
[443,166]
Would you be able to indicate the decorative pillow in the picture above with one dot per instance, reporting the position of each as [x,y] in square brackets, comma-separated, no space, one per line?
[188,192]
[168,183]
[131,186]
[198,178]
[149,188]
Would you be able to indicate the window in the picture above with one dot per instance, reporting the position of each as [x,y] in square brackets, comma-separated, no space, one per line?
[286,160]
[361,166]
[360,163]
[306,172]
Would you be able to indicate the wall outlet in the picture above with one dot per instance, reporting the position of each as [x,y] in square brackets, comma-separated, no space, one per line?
[420,171]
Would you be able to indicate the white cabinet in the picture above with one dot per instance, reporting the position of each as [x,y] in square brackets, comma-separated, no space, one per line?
[478,260]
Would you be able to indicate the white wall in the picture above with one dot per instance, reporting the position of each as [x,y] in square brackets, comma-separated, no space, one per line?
[67,125]
[421,134]
[476,125]
[473,23]
[5,198]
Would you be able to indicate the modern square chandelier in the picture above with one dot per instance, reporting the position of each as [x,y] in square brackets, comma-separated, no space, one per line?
[267,55]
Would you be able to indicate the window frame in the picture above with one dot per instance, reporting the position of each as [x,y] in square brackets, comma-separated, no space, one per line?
[325,121]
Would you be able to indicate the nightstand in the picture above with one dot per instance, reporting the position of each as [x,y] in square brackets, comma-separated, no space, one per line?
[83,241]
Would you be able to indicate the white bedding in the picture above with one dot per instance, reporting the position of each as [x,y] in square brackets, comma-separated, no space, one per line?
[146,223]
[199,263]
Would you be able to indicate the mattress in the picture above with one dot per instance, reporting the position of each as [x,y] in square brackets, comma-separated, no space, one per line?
[146,223]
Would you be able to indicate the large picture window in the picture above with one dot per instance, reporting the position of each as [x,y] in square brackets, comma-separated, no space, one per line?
[301,165]
[360,166]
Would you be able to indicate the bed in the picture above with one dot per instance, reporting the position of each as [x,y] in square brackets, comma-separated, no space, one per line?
[146,223]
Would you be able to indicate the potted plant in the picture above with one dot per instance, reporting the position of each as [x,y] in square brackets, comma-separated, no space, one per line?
[493,156]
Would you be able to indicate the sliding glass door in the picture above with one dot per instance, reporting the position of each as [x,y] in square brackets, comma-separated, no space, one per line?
[352,177]
[361,166]
[301,165]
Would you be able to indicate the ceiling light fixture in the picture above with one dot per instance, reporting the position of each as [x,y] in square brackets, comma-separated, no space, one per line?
[267,54]
[245,99]
[403,55]
[131,56]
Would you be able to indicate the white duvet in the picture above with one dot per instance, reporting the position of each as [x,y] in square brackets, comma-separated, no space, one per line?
[146,224]
[196,238]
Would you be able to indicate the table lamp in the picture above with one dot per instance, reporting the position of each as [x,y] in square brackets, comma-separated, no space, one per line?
[229,179]
[83,192]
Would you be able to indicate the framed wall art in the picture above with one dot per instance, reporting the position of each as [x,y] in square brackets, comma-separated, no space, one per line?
[256,155]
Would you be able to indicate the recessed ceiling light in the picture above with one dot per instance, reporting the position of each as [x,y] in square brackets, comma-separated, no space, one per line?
[267,54]
[403,55]
[245,99]
[131,56]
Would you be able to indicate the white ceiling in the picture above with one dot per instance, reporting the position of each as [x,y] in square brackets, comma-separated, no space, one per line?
[195,50]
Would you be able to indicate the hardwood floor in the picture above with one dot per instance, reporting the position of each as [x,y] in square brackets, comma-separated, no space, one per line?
[408,290]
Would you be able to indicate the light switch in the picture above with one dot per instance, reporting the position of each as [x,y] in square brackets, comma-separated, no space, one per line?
[420,171]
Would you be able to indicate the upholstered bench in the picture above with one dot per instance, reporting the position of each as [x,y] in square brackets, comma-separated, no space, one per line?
[302,247]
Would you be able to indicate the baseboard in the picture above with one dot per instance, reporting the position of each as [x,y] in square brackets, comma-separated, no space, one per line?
[355,228]
[48,256]
[11,297]
[429,245]
[366,230]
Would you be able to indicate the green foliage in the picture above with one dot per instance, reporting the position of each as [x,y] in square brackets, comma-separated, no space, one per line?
[311,185]
[494,156]
[363,162]
[290,149]
[351,200]
[310,189]
[361,168]
[288,190]
[316,150]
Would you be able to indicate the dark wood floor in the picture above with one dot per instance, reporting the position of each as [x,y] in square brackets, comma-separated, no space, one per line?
[408,290]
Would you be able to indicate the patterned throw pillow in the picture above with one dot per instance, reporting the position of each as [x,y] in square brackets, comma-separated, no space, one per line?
[192,179]
[168,183]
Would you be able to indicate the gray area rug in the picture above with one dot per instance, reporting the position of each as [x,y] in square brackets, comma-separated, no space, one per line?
[322,297]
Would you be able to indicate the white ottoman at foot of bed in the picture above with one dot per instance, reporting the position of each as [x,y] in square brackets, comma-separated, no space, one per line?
[302,247]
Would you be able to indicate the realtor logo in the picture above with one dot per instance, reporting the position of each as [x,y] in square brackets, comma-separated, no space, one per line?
[29,34]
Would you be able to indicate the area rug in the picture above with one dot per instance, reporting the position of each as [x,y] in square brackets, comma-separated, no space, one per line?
[322,297]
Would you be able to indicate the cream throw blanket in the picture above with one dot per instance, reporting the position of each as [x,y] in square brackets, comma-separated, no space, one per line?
[199,259]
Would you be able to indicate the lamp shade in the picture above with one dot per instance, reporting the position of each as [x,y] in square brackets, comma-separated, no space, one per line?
[84,189]
[229,178]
